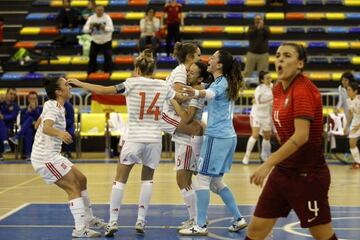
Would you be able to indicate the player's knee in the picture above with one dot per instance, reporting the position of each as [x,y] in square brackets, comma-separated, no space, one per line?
[198,131]
[217,185]
[255,231]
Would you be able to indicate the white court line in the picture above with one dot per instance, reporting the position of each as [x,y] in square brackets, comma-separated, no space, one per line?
[14,211]
[19,185]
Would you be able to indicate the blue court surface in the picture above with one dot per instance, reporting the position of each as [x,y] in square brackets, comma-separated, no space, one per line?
[54,221]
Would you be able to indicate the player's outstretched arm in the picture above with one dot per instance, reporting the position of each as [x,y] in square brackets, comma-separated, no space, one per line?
[93,87]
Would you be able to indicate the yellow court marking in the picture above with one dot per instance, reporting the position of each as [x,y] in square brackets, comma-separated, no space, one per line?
[19,185]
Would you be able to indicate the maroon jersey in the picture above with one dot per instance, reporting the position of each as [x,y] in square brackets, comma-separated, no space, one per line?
[173,13]
[302,99]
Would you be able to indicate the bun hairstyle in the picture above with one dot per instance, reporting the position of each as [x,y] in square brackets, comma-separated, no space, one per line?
[299,48]
[145,62]
[262,75]
[204,74]
[354,86]
[51,85]
[231,69]
[181,50]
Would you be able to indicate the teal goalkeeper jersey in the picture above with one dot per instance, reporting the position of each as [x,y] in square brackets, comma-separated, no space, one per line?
[220,111]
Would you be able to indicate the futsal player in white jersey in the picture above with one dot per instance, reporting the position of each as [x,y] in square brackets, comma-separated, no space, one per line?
[56,169]
[185,160]
[181,130]
[353,103]
[260,117]
[145,97]
[220,141]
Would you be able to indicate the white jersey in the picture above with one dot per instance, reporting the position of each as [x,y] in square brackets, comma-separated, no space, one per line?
[354,107]
[178,75]
[46,148]
[145,99]
[263,101]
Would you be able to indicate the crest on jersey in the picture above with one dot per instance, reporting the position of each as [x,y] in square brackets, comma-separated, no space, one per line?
[63,165]
[286,102]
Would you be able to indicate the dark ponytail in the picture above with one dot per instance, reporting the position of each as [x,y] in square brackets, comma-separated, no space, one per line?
[231,69]
[51,85]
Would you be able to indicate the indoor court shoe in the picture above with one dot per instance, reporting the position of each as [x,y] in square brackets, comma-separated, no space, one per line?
[194,231]
[7,147]
[237,225]
[187,224]
[85,233]
[96,223]
[111,228]
[140,227]
[14,140]
[245,160]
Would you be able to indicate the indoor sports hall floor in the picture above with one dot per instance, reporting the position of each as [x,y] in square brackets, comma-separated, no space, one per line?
[32,210]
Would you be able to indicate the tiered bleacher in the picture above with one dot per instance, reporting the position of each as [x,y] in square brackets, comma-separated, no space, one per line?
[329,29]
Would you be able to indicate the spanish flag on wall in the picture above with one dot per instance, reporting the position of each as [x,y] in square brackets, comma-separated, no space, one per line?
[108,103]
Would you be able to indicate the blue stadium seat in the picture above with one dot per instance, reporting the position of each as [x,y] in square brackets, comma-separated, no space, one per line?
[334,2]
[354,30]
[194,15]
[295,30]
[274,44]
[12,76]
[340,60]
[337,30]
[70,31]
[296,2]
[34,76]
[196,2]
[353,16]
[161,2]
[118,3]
[55,75]
[234,16]
[181,1]
[316,30]
[251,15]
[127,44]
[314,2]
[233,44]
[166,59]
[51,16]
[214,16]
[318,60]
[37,16]
[317,45]
[235,2]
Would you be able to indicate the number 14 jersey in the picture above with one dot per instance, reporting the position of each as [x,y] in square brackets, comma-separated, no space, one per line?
[145,98]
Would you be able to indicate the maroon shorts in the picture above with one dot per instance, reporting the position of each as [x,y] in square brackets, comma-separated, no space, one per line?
[306,193]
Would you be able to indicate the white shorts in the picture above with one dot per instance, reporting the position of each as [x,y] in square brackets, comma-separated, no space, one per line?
[265,124]
[354,134]
[185,158]
[146,153]
[169,122]
[54,170]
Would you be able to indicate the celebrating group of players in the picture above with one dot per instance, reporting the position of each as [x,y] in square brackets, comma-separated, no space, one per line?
[298,177]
